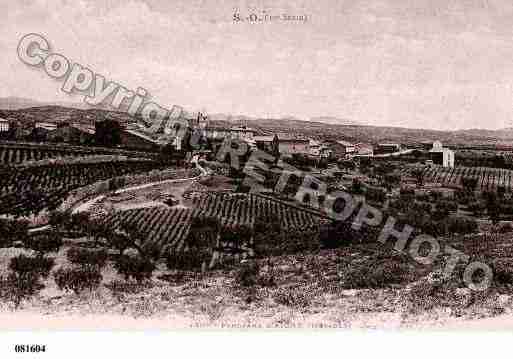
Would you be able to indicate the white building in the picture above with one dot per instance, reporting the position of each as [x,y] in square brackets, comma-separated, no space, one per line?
[4,125]
[49,126]
[318,149]
[241,133]
[442,155]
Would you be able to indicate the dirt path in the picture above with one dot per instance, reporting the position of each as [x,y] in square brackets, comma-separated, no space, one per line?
[84,207]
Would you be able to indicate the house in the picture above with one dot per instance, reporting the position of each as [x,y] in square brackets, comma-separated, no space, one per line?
[341,149]
[388,147]
[73,133]
[17,131]
[318,149]
[263,142]
[364,149]
[287,145]
[242,132]
[137,140]
[220,133]
[41,130]
[441,155]
[348,147]
[290,145]
[315,148]
[4,125]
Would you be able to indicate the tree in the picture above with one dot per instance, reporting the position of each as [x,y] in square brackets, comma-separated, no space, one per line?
[492,206]
[12,231]
[418,174]
[44,243]
[107,133]
[234,237]
[275,148]
[469,183]
[356,186]
[391,180]
[202,239]
[266,231]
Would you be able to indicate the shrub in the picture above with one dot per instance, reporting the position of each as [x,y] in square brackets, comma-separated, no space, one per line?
[505,228]
[376,274]
[44,243]
[462,225]
[247,274]
[15,287]
[25,266]
[292,297]
[135,267]
[87,258]
[340,233]
[295,240]
[476,207]
[59,219]
[24,279]
[236,236]
[77,279]
[12,231]
[375,194]
[188,259]
[502,273]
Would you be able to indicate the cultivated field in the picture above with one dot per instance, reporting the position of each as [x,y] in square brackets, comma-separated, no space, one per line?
[169,227]
[487,178]
[25,191]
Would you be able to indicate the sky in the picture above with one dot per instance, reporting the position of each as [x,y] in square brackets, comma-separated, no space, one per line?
[439,64]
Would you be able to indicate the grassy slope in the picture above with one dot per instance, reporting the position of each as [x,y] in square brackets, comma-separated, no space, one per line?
[311,291]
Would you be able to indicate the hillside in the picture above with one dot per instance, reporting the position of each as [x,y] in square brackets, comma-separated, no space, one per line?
[372,134]
[313,129]
[57,114]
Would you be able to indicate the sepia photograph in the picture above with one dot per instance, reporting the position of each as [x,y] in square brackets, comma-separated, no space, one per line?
[300,164]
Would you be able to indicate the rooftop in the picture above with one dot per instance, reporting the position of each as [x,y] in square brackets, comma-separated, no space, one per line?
[345,143]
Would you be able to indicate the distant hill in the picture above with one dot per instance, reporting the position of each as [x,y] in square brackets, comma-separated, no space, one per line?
[19,103]
[370,134]
[25,111]
[243,118]
[334,120]
[59,114]
[16,103]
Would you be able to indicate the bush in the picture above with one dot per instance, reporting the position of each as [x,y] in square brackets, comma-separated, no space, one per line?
[77,279]
[375,194]
[188,259]
[476,207]
[135,267]
[25,266]
[292,297]
[247,275]
[24,279]
[44,243]
[462,225]
[380,274]
[505,228]
[87,258]
[15,287]
[502,273]
[235,237]
[295,241]
[12,231]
